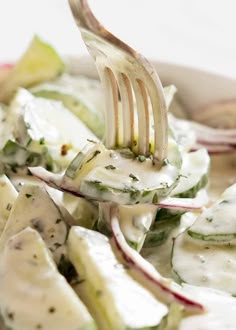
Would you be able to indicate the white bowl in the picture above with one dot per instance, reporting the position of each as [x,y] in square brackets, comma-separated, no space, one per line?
[196,88]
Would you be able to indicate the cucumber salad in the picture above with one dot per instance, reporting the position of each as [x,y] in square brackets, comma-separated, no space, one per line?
[92,238]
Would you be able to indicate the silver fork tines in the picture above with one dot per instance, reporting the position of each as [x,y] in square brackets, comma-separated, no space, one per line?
[128,76]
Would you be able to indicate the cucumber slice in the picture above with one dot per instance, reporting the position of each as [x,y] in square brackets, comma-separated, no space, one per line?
[84,97]
[174,153]
[39,63]
[81,95]
[35,208]
[202,264]
[217,223]
[122,302]
[44,298]
[183,132]
[84,212]
[134,220]
[15,158]
[220,306]
[45,126]
[8,195]
[118,176]
[166,221]
[193,174]
[6,129]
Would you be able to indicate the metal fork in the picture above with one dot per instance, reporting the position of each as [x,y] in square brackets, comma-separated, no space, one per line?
[126,76]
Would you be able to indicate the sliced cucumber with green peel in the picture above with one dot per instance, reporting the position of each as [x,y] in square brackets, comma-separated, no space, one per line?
[218,222]
[220,306]
[162,227]
[81,95]
[193,174]
[14,158]
[34,208]
[46,127]
[119,176]
[84,212]
[6,128]
[135,222]
[8,196]
[28,272]
[39,63]
[204,264]
[122,302]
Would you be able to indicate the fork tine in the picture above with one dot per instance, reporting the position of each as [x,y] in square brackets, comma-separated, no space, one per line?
[111,98]
[143,116]
[127,109]
[159,112]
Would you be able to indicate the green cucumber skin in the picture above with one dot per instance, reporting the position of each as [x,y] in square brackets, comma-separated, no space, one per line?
[217,238]
[13,164]
[100,192]
[191,193]
[92,120]
[160,231]
[166,220]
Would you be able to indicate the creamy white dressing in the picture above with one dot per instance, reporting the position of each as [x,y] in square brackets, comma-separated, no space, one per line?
[199,263]
[218,223]
[160,256]
[221,310]
[126,178]
[194,169]
[35,208]
[33,295]
[135,221]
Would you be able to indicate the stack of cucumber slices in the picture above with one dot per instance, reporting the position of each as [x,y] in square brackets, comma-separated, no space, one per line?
[92,238]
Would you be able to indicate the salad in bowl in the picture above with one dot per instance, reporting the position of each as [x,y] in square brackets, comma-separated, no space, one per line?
[94,238]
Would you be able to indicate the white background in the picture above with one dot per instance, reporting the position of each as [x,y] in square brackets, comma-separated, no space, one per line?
[201,33]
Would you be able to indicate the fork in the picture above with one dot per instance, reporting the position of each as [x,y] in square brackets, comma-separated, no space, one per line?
[129,79]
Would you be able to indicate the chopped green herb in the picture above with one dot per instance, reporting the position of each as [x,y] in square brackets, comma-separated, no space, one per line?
[57,245]
[52,310]
[209,219]
[9,207]
[10,315]
[155,199]
[224,202]
[92,141]
[42,141]
[132,176]
[96,182]
[165,162]
[110,167]
[97,152]
[141,158]
[37,224]
[28,195]
[66,268]
[126,153]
